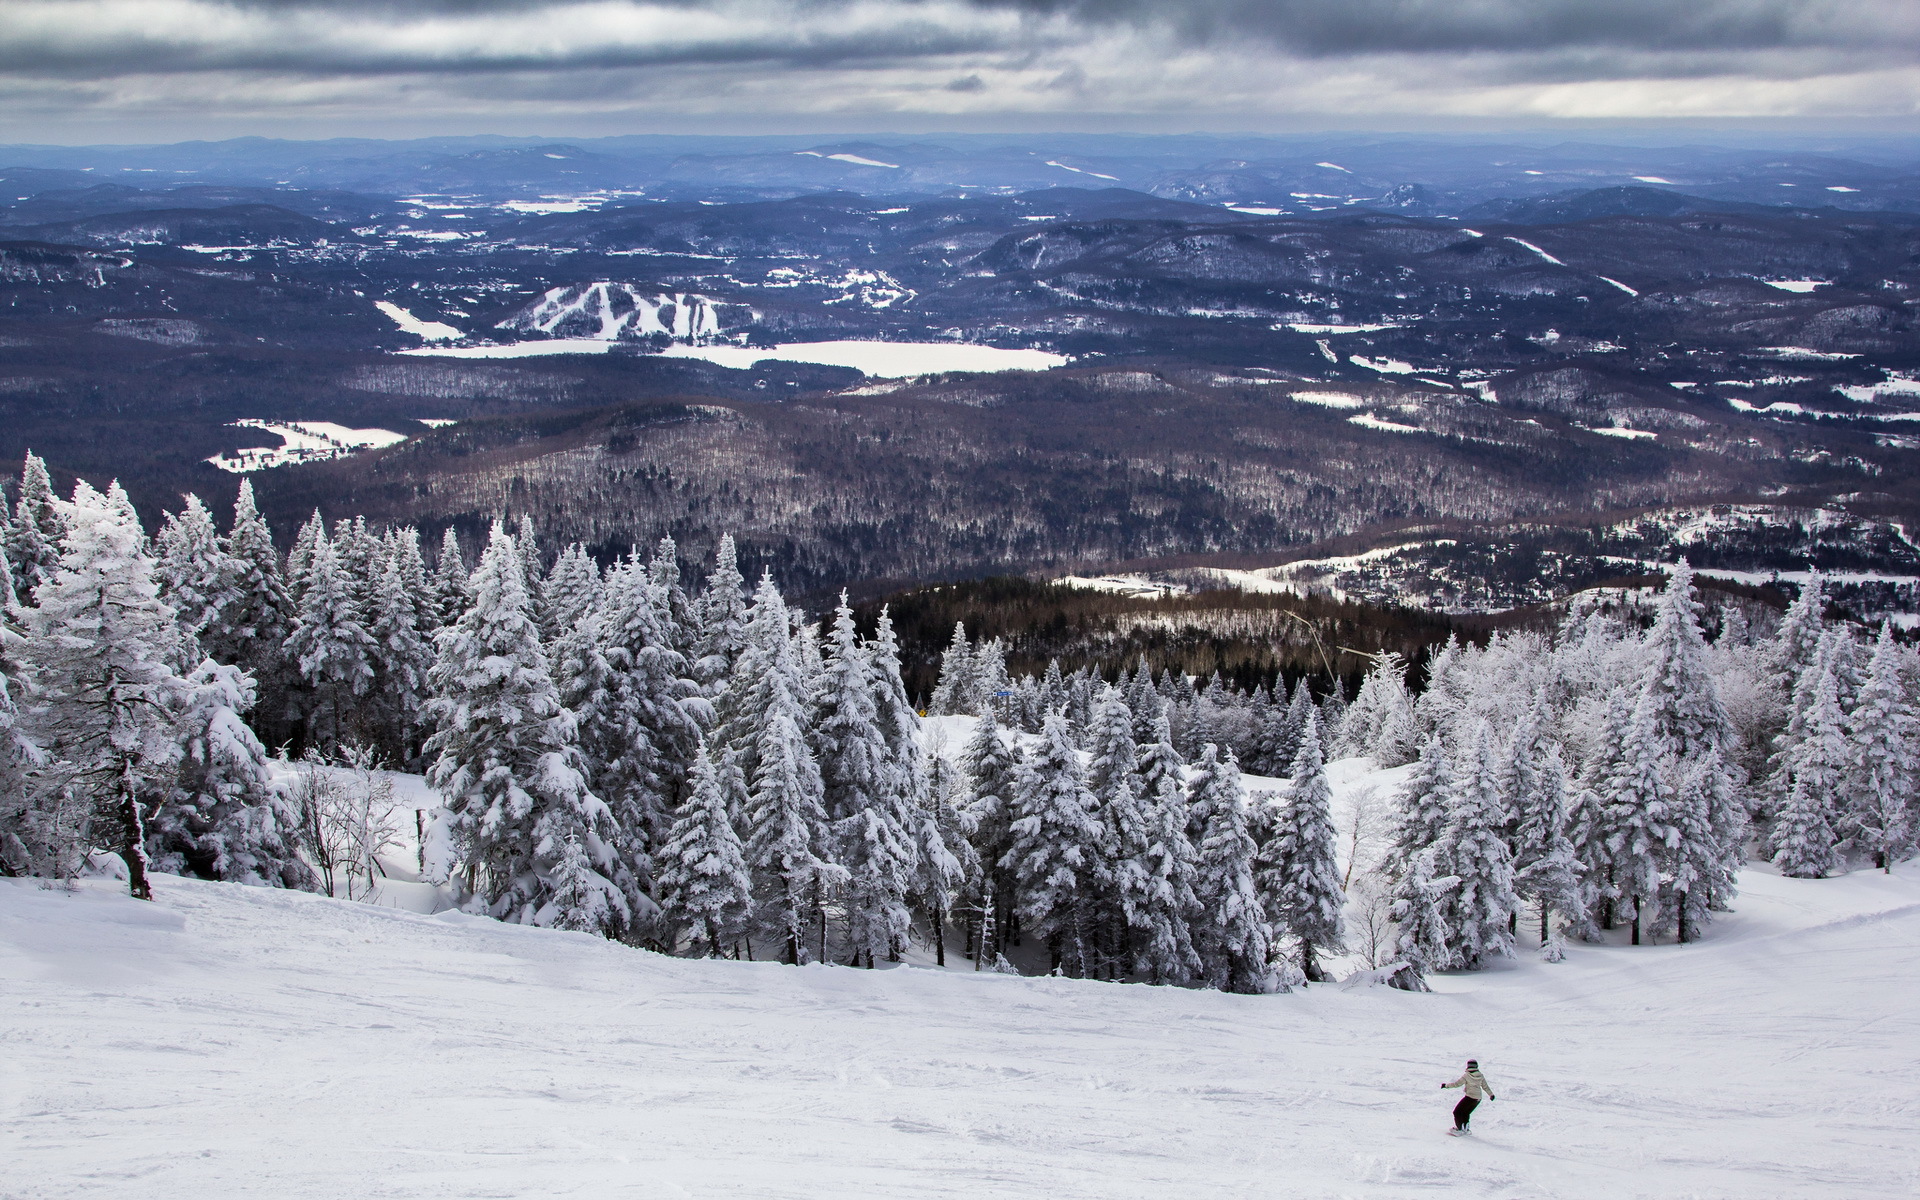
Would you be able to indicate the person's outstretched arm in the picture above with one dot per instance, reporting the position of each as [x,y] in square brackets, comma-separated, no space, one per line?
[1460,1082]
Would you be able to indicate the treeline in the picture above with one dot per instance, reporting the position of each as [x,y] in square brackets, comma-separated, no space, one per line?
[705,770]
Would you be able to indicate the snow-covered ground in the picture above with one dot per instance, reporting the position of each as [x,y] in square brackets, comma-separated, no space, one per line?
[228,1041]
[882,360]
[302,441]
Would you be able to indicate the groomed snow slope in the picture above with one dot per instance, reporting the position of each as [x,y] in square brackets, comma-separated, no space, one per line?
[233,1042]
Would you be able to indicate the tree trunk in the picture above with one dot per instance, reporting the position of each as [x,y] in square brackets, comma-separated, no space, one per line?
[133,833]
[1544,931]
[1686,934]
[939,935]
[1636,926]
[1309,965]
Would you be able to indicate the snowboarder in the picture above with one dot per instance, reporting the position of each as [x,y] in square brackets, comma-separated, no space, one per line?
[1477,1088]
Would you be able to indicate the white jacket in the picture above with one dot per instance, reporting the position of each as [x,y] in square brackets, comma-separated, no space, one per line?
[1476,1084]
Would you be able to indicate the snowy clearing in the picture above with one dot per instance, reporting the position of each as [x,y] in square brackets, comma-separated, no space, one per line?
[1329,399]
[1801,286]
[1537,250]
[431,331]
[1617,431]
[302,441]
[1372,422]
[1299,327]
[228,1041]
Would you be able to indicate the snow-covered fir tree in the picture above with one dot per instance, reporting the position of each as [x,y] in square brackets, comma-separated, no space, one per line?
[1054,859]
[506,761]
[1299,877]
[703,884]
[1480,908]
[1877,820]
[331,647]
[1231,936]
[33,535]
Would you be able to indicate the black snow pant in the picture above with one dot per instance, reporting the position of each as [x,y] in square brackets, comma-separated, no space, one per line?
[1463,1111]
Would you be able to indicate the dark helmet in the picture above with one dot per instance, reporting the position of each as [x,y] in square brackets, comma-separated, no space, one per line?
[1472,1063]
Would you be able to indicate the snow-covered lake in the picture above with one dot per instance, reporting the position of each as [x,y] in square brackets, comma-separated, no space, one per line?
[882,360]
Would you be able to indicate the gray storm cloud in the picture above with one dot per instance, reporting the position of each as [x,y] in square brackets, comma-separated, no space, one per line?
[1616,58]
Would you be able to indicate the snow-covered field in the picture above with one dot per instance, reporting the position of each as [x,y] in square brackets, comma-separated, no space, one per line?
[882,360]
[228,1042]
[302,441]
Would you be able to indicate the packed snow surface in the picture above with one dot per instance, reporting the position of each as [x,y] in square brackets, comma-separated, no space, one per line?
[225,1041]
[431,331]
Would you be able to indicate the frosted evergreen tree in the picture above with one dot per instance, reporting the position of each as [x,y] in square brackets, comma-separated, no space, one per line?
[1445,701]
[1814,765]
[1695,881]
[990,676]
[221,816]
[101,650]
[992,770]
[1797,643]
[1165,915]
[957,680]
[1054,859]
[506,763]
[1113,781]
[1146,705]
[653,708]
[1802,840]
[787,843]
[1380,722]
[16,752]
[1422,812]
[861,729]
[250,627]
[704,890]
[1678,685]
[1421,938]
[191,568]
[402,658]
[946,864]
[1231,934]
[722,612]
[300,557]
[1640,818]
[532,562]
[361,555]
[1878,819]
[331,648]
[1299,876]
[34,534]
[571,591]
[1545,871]
[451,591]
[1480,908]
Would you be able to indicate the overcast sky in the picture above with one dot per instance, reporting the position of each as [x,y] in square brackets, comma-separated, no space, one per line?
[147,70]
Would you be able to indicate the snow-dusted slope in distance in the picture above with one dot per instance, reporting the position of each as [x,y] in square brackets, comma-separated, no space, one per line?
[616,311]
[225,1041]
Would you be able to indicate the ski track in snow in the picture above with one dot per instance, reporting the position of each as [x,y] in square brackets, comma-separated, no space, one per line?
[244,1042]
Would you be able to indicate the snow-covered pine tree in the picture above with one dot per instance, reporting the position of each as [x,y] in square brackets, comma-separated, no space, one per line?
[221,816]
[1231,934]
[300,556]
[1686,711]
[1118,914]
[1639,815]
[1422,810]
[508,766]
[331,648]
[1298,875]
[1814,763]
[1421,938]
[250,629]
[705,894]
[16,751]
[1480,908]
[532,562]
[990,677]
[1878,817]
[451,590]
[1146,704]
[1380,722]
[956,682]
[723,619]
[1695,880]
[570,592]
[1797,643]
[1054,859]
[1545,872]
[653,710]
[101,651]
[992,769]
[947,866]
[677,611]
[1165,915]
[402,656]
[862,729]
[191,568]
[34,534]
